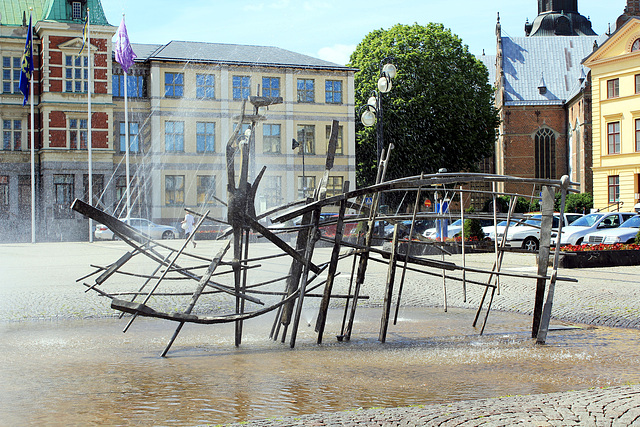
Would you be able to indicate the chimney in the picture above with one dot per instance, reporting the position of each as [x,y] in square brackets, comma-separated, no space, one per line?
[633,7]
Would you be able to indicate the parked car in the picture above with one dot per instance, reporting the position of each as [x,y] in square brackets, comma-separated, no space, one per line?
[527,235]
[626,233]
[490,230]
[574,233]
[404,227]
[454,229]
[151,229]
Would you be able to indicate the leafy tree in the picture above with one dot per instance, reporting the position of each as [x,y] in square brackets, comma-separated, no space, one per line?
[578,202]
[439,112]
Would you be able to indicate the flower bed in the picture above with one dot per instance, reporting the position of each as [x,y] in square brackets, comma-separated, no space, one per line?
[586,256]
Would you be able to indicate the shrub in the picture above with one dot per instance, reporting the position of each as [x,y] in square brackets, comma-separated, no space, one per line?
[473,229]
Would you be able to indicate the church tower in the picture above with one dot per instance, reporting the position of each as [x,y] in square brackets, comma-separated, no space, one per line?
[559,18]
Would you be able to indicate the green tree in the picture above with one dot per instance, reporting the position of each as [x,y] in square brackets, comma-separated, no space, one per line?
[439,112]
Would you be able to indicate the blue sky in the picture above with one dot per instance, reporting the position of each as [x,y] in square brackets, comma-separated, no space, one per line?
[329,29]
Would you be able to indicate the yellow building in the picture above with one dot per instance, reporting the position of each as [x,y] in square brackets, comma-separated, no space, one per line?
[615,75]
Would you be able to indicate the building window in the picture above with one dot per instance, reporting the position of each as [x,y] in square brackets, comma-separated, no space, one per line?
[206,190]
[271,87]
[174,137]
[174,190]
[24,194]
[613,88]
[306,186]
[76,10]
[11,66]
[334,185]
[173,85]
[134,146]
[306,92]
[613,138]
[614,188]
[78,134]
[205,137]
[333,92]
[271,138]
[135,86]
[4,194]
[272,193]
[135,194]
[241,87]
[306,138]
[339,142]
[12,135]
[97,189]
[205,86]
[76,73]
[63,195]
[545,154]
[637,134]
[635,46]
[637,83]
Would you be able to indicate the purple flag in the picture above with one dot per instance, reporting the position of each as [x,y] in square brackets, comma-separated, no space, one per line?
[123,50]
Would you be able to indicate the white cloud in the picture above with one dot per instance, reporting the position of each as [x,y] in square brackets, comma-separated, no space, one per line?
[338,53]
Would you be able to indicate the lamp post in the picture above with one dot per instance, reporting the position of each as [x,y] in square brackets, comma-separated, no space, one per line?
[373,113]
[295,144]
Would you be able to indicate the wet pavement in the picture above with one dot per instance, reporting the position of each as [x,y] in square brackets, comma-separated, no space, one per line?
[39,283]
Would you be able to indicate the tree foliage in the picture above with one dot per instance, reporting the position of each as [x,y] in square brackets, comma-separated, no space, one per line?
[439,112]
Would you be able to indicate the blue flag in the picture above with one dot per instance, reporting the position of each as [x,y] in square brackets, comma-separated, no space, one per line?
[27,65]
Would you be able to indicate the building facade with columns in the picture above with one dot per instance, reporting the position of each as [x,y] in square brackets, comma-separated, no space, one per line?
[183,99]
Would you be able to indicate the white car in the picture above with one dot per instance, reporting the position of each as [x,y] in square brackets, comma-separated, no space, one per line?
[527,235]
[151,229]
[626,233]
[452,229]
[490,230]
[574,233]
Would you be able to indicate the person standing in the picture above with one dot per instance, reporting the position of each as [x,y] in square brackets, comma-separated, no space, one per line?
[187,226]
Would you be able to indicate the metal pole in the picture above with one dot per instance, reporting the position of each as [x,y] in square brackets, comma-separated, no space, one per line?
[33,141]
[89,122]
[126,137]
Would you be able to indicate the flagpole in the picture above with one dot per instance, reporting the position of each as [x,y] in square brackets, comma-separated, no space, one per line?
[126,133]
[33,138]
[125,56]
[89,144]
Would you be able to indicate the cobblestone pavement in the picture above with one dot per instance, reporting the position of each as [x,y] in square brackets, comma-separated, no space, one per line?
[38,282]
[614,406]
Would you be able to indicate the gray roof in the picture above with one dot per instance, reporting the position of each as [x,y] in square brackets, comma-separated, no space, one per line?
[489,61]
[180,51]
[557,60]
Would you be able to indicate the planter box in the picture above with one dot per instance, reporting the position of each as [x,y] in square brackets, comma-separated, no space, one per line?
[589,259]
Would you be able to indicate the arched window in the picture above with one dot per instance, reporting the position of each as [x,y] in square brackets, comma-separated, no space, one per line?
[545,154]
[635,46]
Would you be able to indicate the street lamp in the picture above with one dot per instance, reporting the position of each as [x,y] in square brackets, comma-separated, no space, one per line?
[295,144]
[373,109]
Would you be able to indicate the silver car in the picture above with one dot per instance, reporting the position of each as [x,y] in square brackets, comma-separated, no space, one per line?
[626,233]
[151,229]
[574,233]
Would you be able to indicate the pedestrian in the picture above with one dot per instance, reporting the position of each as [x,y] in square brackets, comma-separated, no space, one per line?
[187,226]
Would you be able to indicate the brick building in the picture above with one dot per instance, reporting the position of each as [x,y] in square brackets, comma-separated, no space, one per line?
[543,97]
